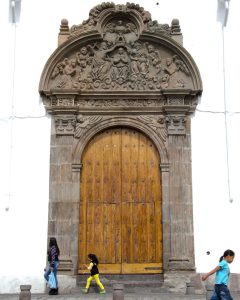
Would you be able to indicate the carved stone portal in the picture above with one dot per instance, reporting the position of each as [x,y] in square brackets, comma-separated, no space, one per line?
[120,68]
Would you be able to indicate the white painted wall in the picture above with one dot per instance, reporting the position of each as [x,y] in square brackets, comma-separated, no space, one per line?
[25,131]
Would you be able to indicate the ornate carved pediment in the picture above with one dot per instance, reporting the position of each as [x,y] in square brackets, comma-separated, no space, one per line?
[120,48]
[120,61]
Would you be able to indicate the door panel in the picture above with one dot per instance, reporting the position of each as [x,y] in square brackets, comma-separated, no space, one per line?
[120,206]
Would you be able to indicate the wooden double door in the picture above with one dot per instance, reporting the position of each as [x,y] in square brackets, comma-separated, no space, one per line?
[120,204]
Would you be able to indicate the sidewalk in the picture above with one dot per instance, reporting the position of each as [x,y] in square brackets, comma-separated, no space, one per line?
[139,294]
[109,296]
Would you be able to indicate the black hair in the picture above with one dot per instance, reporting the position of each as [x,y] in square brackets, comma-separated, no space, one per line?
[53,242]
[226,253]
[93,258]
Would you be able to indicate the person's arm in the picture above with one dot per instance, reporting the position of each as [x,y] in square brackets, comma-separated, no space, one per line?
[204,277]
[89,267]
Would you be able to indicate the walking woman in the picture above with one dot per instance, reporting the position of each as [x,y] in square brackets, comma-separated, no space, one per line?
[53,263]
[221,291]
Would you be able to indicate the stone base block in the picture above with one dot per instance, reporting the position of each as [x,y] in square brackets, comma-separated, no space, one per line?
[66,283]
[175,281]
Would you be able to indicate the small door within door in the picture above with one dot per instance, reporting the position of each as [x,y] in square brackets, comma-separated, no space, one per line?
[120,204]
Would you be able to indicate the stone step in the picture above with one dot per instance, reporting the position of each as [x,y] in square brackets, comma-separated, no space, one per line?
[129,281]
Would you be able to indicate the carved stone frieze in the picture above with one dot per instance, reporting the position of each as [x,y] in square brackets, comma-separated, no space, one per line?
[158,123]
[73,103]
[161,124]
[65,124]
[121,66]
[118,103]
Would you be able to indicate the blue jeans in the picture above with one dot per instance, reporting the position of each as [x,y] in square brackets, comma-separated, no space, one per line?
[221,292]
[55,269]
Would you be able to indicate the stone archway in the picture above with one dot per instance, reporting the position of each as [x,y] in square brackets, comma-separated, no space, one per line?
[120,68]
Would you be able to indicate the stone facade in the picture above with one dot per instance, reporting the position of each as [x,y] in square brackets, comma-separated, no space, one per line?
[120,68]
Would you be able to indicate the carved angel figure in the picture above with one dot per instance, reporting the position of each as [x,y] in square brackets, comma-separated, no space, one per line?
[84,123]
[101,61]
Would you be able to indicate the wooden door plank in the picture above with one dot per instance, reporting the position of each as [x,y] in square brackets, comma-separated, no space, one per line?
[116,196]
[142,268]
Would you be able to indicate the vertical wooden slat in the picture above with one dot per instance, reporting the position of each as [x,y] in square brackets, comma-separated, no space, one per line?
[125,211]
[116,195]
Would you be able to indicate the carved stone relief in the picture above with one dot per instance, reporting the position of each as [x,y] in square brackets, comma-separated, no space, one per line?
[176,125]
[121,66]
[158,123]
[86,122]
[114,103]
[65,125]
[78,125]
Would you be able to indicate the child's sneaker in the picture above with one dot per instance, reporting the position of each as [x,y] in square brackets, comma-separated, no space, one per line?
[102,292]
[84,290]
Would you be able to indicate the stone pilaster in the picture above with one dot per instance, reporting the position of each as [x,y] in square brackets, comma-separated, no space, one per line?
[182,238]
[64,199]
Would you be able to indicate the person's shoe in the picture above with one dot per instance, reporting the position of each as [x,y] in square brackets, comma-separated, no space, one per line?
[55,292]
[51,292]
[84,290]
[102,292]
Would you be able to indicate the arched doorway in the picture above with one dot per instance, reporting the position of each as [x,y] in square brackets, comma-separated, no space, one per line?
[120,203]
